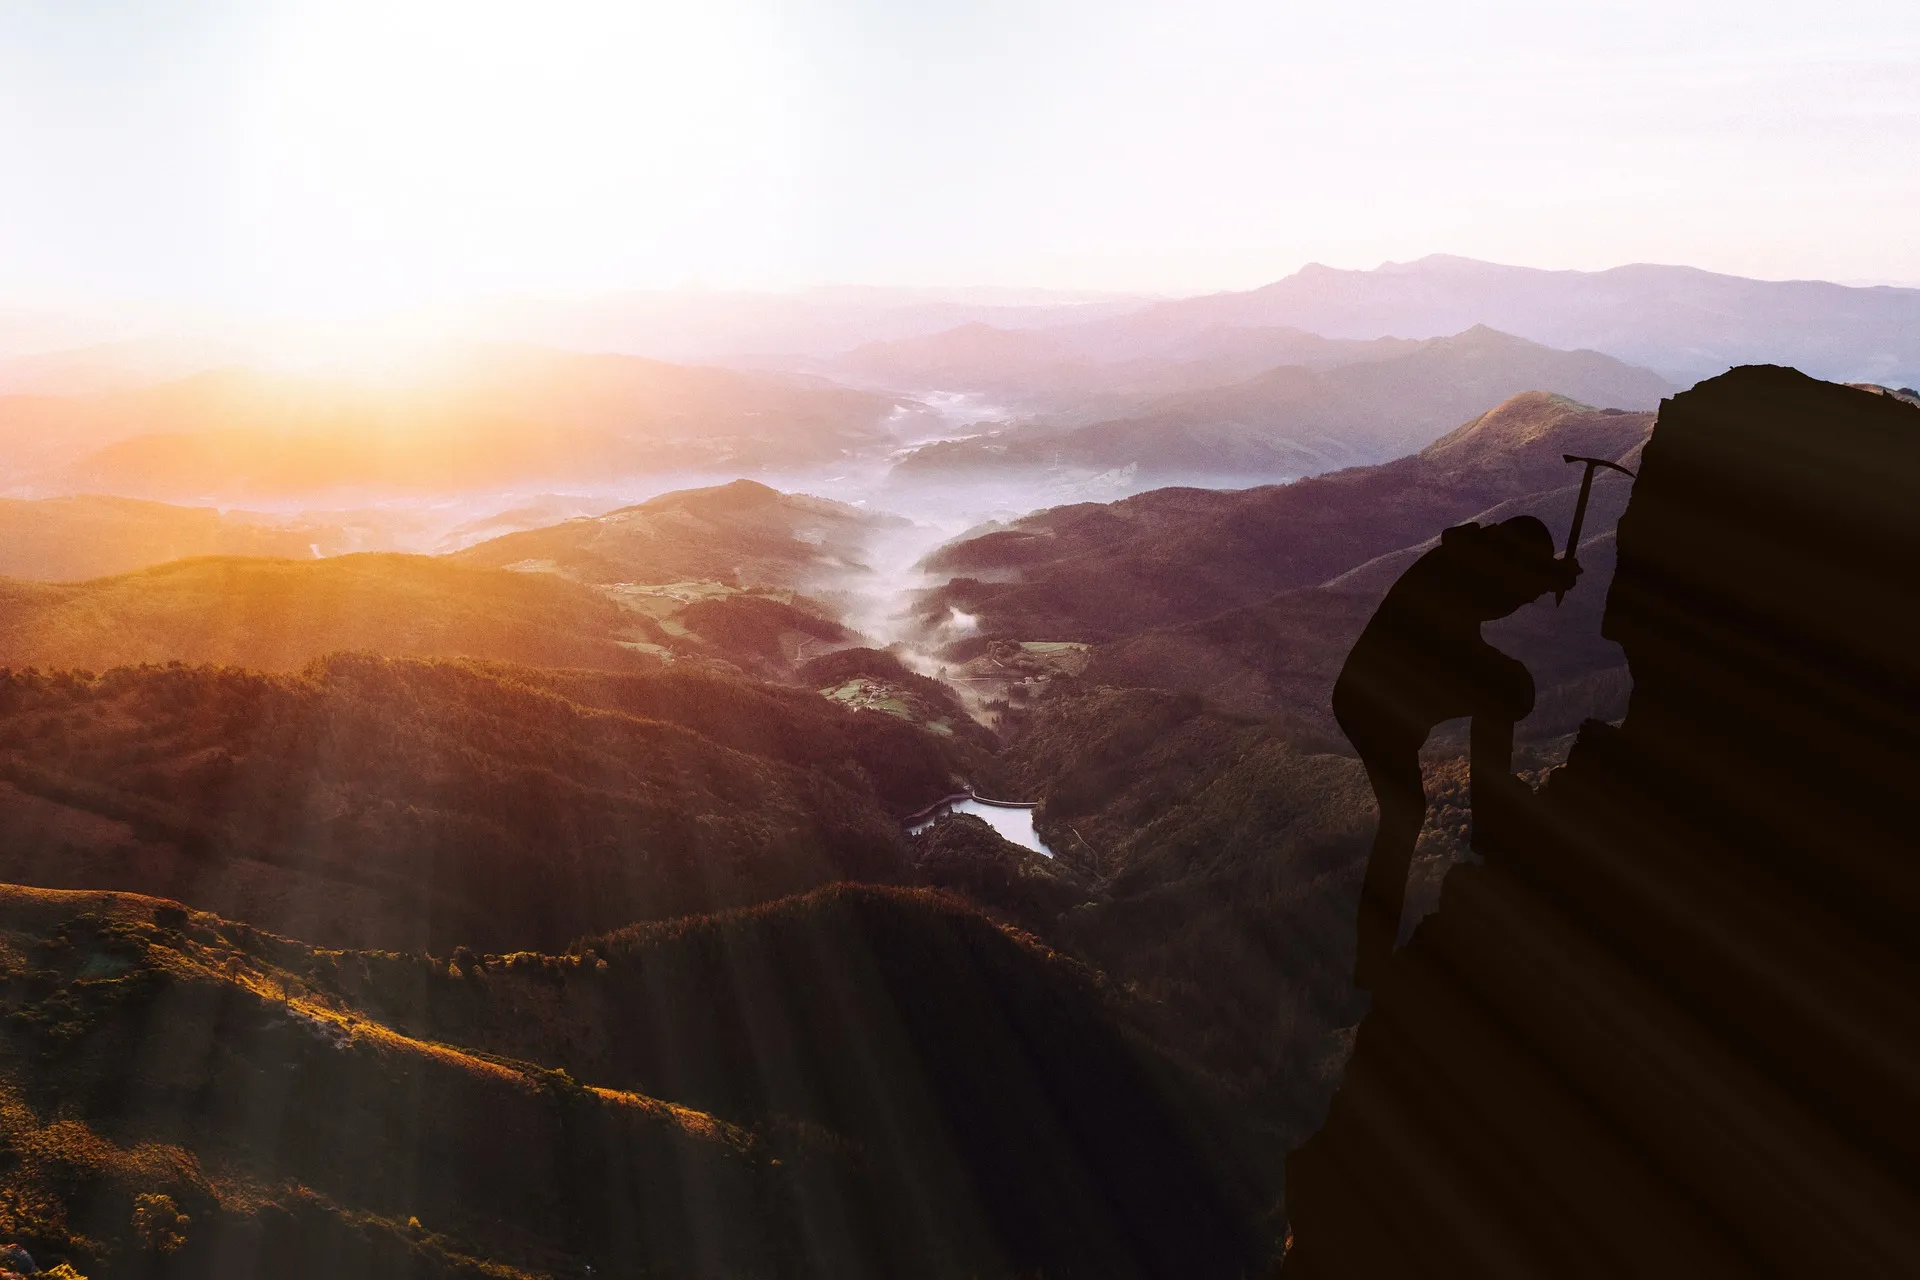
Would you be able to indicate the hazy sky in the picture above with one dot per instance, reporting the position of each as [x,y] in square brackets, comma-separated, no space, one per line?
[267,153]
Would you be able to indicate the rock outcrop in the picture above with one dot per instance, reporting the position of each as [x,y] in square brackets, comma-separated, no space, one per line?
[1671,1024]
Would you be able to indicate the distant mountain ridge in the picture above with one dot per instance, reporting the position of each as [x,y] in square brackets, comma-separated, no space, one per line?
[493,416]
[1684,322]
[91,536]
[1295,420]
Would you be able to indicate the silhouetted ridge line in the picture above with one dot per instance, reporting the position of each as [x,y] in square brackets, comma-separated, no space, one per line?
[1671,1025]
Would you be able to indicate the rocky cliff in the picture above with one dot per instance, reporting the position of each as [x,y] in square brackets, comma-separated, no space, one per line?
[1671,1024]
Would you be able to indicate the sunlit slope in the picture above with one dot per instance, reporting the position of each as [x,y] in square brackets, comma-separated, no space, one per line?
[400,803]
[278,615]
[892,1086]
[90,536]
[486,418]
[740,534]
[153,1054]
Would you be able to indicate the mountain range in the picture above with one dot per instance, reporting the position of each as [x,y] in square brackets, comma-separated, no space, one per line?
[489,418]
[1295,420]
[1681,321]
[1097,572]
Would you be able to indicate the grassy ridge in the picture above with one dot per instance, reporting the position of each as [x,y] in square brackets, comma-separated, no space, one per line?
[279,615]
[855,1083]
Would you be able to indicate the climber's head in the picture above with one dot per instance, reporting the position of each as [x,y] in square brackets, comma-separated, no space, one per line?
[1508,564]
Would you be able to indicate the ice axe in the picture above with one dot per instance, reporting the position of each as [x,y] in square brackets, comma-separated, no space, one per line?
[1580,507]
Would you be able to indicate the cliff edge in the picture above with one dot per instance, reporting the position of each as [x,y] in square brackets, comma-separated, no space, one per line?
[1671,1024]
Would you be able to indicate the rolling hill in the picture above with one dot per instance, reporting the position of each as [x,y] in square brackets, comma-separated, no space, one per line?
[741,534]
[279,615]
[1295,420]
[1045,372]
[857,1083]
[1191,770]
[376,802]
[1099,572]
[90,536]
[485,418]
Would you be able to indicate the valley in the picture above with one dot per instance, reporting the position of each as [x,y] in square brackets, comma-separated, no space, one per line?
[879,807]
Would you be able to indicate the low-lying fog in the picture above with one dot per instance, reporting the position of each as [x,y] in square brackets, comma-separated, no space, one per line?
[873,595]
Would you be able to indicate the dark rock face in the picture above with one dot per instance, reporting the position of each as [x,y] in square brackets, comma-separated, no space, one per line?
[1672,1024]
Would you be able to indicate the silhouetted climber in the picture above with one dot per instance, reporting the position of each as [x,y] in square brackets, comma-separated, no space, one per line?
[1421,660]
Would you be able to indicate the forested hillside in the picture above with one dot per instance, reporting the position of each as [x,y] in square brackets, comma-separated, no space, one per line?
[374,802]
[741,534]
[853,1083]
[279,615]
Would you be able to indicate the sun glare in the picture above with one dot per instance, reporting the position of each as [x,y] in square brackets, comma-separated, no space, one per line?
[396,145]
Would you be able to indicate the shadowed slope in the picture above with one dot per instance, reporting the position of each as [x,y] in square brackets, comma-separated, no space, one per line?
[889,1085]
[1670,1026]
[401,803]
[1094,572]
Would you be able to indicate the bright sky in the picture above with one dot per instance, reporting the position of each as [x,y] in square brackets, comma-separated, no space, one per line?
[296,156]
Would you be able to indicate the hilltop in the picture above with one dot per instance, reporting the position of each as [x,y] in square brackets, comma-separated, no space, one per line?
[279,615]
[741,534]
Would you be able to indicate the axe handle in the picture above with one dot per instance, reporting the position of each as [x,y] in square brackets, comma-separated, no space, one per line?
[1579,519]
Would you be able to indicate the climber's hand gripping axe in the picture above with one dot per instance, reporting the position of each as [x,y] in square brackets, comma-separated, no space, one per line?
[1580,507]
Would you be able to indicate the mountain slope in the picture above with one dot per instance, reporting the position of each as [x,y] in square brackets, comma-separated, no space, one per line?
[70,539]
[1046,371]
[740,534]
[1682,321]
[279,615]
[1677,994]
[487,418]
[1294,420]
[1100,572]
[893,1086]
[395,803]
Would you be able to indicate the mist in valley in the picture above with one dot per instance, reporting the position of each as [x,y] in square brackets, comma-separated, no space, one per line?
[962,641]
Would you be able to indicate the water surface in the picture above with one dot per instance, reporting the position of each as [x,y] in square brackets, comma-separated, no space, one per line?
[1013,824]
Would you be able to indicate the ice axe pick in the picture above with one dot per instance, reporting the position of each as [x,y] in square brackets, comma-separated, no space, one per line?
[1580,507]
